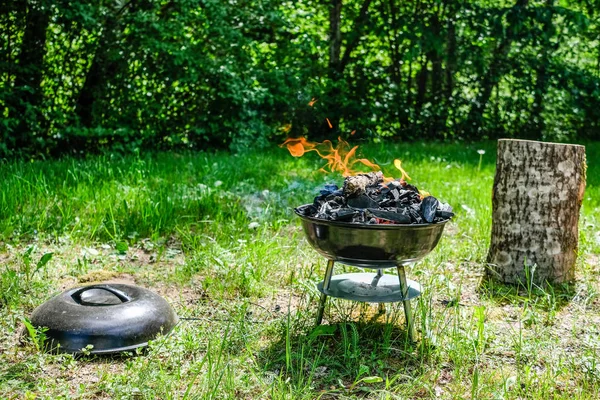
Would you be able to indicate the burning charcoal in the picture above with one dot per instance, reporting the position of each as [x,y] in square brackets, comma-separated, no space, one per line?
[386,203]
[444,214]
[308,211]
[365,199]
[339,199]
[390,216]
[362,201]
[360,217]
[357,184]
[318,201]
[374,189]
[412,188]
[428,208]
[335,201]
[408,195]
[445,207]
[343,215]
[415,215]
[325,209]
[394,185]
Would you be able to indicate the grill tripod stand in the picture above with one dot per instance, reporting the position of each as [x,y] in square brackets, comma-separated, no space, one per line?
[372,288]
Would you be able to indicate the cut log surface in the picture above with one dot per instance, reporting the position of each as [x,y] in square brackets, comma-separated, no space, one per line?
[537,195]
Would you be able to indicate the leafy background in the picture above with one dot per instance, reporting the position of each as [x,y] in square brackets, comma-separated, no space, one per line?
[130,75]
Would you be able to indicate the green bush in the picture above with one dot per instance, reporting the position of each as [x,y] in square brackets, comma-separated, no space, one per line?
[85,76]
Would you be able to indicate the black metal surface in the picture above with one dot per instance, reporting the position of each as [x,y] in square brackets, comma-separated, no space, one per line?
[110,317]
[371,245]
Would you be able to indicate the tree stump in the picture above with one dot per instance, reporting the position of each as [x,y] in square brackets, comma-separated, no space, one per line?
[538,190]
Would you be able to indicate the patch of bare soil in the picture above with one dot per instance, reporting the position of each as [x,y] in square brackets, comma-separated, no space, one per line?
[7,257]
[124,279]
[284,301]
[192,301]
[96,276]
[87,373]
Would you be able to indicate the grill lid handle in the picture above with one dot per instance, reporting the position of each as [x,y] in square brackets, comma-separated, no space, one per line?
[96,298]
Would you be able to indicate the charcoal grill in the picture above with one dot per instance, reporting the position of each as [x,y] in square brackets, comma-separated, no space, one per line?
[377,247]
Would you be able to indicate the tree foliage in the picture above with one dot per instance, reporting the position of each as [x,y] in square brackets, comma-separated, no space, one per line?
[79,76]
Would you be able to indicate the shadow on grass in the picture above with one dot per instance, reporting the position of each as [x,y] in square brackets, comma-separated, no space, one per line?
[347,356]
[547,297]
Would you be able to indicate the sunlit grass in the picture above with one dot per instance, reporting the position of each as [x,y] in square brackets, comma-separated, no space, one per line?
[216,235]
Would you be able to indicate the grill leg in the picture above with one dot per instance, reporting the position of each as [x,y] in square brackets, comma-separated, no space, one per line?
[380,306]
[407,310]
[326,281]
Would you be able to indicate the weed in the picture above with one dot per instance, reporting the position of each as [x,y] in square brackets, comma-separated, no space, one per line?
[28,269]
[37,335]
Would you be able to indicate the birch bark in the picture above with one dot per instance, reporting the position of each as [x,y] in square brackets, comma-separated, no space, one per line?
[537,195]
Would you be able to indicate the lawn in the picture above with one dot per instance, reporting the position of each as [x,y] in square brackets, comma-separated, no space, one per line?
[215,234]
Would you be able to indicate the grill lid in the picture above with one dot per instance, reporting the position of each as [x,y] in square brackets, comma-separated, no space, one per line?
[110,317]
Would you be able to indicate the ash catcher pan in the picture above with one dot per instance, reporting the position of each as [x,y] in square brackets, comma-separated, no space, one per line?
[110,317]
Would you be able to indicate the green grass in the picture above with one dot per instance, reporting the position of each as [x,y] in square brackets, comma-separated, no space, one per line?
[216,235]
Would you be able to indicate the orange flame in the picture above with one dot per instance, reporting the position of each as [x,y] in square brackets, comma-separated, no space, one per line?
[341,158]
[398,165]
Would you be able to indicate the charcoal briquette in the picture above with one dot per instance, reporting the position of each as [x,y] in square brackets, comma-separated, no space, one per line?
[365,199]
[444,214]
[397,217]
[343,215]
[362,201]
[429,207]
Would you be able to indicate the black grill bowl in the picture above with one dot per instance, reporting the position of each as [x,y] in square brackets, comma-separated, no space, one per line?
[370,246]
